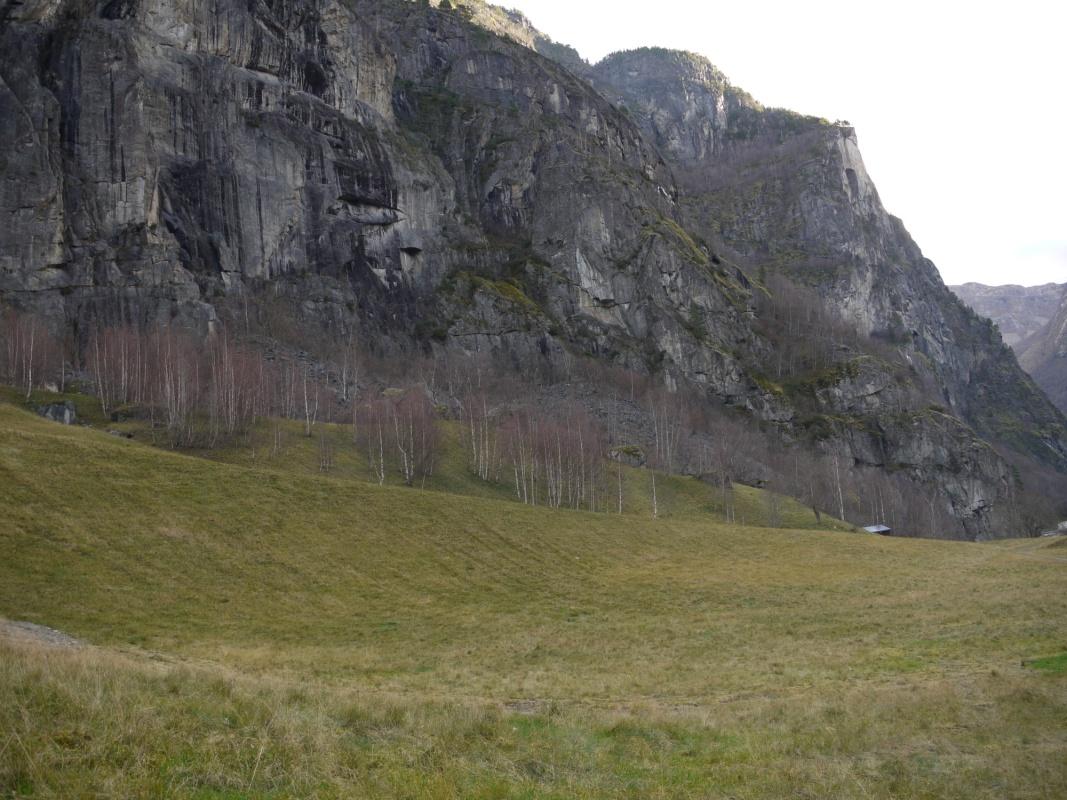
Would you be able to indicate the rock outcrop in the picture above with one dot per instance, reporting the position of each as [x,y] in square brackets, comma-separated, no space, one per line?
[431,182]
[64,413]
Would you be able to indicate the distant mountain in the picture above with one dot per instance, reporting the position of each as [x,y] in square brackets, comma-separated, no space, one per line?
[1044,355]
[1019,311]
[1033,320]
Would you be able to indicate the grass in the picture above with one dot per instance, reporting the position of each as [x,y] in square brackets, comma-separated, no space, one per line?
[298,454]
[275,632]
[1056,665]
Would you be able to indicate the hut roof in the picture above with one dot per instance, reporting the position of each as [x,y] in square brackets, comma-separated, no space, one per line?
[877,529]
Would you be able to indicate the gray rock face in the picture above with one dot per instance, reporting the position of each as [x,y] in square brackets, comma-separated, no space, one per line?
[169,153]
[351,156]
[514,25]
[390,168]
[63,413]
[781,192]
[1019,311]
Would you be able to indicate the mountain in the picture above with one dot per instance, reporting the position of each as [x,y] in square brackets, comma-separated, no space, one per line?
[447,180]
[1033,320]
[1044,354]
[1019,311]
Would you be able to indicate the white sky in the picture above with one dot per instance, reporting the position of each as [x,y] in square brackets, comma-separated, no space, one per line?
[960,108]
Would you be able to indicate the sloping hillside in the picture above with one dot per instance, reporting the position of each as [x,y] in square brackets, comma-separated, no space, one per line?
[268,633]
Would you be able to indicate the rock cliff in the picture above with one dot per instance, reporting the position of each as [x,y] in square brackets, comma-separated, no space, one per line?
[440,178]
[789,194]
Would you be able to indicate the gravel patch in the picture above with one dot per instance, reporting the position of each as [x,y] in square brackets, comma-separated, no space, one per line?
[41,634]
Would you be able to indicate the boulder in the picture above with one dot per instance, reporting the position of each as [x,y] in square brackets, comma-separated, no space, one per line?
[64,413]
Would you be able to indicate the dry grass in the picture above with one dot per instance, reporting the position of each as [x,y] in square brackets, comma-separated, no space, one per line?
[261,632]
[99,723]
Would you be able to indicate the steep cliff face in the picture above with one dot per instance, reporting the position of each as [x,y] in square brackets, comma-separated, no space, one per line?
[790,194]
[178,153]
[388,167]
[381,163]
[1019,311]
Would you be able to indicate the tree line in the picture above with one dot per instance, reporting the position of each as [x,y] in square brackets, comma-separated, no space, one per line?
[212,391]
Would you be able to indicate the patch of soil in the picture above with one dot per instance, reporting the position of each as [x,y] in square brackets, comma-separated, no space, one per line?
[39,634]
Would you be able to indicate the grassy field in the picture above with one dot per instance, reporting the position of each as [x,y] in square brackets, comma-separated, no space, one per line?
[262,630]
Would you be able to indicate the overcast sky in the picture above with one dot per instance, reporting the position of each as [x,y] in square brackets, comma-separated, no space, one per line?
[959,107]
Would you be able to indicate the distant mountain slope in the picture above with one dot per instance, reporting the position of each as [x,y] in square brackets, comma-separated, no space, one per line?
[1044,354]
[1019,311]
[1033,320]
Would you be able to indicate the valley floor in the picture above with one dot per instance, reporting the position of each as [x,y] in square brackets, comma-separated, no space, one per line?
[242,631]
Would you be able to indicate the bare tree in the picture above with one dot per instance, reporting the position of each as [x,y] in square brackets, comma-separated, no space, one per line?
[311,400]
[835,461]
[555,460]
[372,430]
[668,411]
[178,383]
[31,355]
[325,452]
[518,435]
[416,435]
[725,450]
[481,435]
[350,369]
[655,499]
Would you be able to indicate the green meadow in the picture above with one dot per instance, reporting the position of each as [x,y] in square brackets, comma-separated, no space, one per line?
[252,627]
